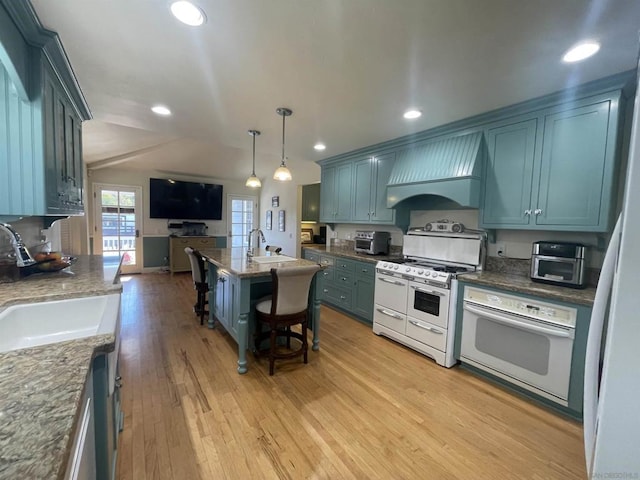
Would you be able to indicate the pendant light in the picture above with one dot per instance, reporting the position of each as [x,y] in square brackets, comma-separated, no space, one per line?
[253,181]
[282,173]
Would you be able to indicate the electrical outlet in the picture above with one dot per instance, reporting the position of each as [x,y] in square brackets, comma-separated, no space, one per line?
[501,249]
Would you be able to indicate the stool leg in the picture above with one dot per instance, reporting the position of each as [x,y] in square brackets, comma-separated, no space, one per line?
[304,339]
[272,350]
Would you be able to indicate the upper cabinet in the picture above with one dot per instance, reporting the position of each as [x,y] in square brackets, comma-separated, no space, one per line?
[335,193]
[310,203]
[370,190]
[43,161]
[553,169]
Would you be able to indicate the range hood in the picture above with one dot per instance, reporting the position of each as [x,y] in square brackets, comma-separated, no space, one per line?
[438,174]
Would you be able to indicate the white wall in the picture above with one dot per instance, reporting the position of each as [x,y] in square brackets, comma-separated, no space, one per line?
[155,226]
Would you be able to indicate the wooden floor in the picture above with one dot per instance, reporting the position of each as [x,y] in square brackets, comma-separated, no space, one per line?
[363,407]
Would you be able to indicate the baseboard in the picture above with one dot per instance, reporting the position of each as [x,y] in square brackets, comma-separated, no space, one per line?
[155,270]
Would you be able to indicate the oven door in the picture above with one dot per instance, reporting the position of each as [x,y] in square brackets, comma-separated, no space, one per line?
[532,354]
[428,304]
[391,292]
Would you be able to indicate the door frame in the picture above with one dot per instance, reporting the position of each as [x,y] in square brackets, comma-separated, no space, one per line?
[97,215]
[256,212]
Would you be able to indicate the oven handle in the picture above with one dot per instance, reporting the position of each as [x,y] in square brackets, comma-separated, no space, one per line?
[430,292]
[392,282]
[515,323]
[419,325]
[390,314]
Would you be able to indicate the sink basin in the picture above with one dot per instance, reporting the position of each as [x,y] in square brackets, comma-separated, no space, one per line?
[33,324]
[273,259]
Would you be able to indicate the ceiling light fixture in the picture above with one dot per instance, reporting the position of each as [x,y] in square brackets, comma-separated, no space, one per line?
[188,13]
[320,147]
[161,110]
[282,173]
[253,181]
[581,51]
[412,114]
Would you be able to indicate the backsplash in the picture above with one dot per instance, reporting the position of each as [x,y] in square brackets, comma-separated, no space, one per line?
[33,233]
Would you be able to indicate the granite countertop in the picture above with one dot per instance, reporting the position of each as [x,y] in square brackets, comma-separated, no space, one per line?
[235,260]
[523,284]
[348,252]
[41,387]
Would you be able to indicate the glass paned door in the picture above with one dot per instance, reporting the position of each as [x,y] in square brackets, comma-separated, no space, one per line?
[117,226]
[241,217]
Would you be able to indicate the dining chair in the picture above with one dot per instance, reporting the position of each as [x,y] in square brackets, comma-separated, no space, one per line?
[199,282]
[286,307]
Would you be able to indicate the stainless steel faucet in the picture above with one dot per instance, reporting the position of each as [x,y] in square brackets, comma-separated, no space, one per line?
[23,257]
[260,239]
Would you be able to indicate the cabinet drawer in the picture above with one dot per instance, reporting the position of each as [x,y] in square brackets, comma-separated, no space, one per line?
[365,270]
[343,279]
[326,275]
[427,333]
[344,266]
[313,256]
[337,296]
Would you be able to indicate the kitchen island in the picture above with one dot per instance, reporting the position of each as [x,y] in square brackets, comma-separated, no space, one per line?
[236,282]
[41,388]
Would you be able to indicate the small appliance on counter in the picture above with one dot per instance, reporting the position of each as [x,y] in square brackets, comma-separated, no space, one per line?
[372,243]
[559,263]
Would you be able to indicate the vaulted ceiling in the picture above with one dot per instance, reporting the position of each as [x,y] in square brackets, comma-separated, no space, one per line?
[347,68]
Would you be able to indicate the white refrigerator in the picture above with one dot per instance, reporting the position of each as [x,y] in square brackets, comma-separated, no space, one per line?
[612,412]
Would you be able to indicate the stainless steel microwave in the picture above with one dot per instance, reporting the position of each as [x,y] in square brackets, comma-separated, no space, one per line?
[559,263]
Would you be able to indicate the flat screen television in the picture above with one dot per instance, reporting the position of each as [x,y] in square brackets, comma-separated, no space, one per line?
[184,200]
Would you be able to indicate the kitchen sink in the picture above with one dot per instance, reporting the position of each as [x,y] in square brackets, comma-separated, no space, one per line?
[33,324]
[273,259]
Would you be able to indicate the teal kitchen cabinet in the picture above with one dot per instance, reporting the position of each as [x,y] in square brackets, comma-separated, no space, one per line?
[362,302]
[509,173]
[335,193]
[555,169]
[223,290]
[345,284]
[370,190]
[62,147]
[310,203]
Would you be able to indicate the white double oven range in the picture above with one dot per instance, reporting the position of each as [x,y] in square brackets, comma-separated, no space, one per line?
[416,296]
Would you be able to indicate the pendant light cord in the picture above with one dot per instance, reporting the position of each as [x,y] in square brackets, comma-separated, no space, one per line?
[253,170]
[283,117]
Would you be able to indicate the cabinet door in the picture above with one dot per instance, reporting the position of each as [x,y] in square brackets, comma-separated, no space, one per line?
[383,164]
[509,174]
[573,166]
[342,193]
[221,308]
[363,291]
[310,203]
[327,189]
[363,177]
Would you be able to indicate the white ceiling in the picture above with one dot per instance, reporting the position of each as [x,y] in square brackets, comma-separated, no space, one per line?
[347,68]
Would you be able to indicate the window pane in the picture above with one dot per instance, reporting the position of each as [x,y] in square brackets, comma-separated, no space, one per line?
[109,197]
[127,199]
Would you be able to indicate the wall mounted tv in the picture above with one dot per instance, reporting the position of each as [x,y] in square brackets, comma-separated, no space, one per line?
[184,200]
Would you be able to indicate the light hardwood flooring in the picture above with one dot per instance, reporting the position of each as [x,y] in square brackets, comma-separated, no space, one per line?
[363,407]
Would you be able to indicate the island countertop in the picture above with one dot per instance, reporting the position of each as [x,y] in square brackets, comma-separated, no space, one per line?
[41,387]
[235,261]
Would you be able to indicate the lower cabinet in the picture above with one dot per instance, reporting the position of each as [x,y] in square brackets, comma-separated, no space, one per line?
[82,459]
[178,260]
[224,288]
[346,284]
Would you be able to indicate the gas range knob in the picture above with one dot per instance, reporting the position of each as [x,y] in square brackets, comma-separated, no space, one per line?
[427,273]
[420,272]
[395,267]
[408,269]
[384,265]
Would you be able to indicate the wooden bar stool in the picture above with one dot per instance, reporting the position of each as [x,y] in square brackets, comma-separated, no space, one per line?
[286,307]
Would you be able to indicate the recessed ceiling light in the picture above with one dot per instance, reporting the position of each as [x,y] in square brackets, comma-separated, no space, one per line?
[581,51]
[188,13]
[411,114]
[320,146]
[161,110]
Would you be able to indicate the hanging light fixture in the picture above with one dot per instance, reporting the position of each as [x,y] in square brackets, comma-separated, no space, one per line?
[253,181]
[282,173]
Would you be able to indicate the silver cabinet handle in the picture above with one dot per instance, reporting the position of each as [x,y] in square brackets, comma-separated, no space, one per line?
[430,292]
[527,212]
[344,279]
[324,290]
[419,325]
[364,270]
[392,282]
[538,211]
[390,314]
[325,274]
[342,297]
